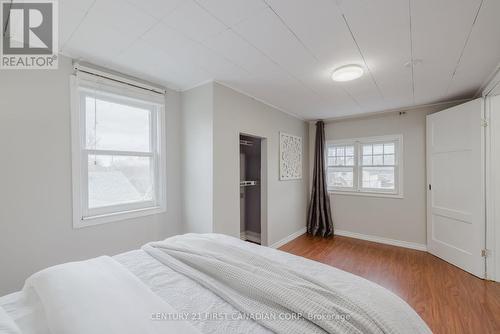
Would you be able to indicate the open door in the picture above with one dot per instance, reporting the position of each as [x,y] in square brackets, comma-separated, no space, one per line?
[456,186]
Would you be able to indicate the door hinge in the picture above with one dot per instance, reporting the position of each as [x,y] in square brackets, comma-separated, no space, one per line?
[485,252]
[484,122]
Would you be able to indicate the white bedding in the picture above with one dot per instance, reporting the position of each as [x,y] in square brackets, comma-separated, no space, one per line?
[196,302]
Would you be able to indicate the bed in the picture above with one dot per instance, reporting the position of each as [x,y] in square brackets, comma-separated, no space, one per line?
[201,307]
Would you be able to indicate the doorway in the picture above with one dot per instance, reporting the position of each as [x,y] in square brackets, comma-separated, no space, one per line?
[252,189]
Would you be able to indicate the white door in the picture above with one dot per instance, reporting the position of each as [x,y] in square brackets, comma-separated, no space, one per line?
[455,190]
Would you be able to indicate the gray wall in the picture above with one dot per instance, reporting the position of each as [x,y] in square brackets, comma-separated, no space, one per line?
[399,219]
[35,181]
[197,159]
[235,113]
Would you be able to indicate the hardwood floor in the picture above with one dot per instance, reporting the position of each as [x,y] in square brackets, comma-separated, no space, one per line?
[449,299]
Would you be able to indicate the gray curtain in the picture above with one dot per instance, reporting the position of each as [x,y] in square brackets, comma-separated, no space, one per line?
[319,215]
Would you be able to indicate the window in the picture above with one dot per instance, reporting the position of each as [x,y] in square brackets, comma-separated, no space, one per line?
[118,160]
[365,166]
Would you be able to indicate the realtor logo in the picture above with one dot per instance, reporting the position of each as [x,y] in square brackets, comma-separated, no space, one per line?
[29,34]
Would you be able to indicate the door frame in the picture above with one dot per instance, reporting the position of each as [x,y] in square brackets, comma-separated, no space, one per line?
[264,240]
[492,136]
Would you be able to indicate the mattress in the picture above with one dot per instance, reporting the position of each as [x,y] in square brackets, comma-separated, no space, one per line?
[210,313]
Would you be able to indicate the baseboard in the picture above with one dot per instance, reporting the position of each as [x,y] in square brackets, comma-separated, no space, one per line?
[382,240]
[289,238]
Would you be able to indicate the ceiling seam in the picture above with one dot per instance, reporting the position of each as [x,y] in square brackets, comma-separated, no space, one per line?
[356,102]
[353,98]
[268,57]
[487,81]
[78,26]
[157,22]
[208,48]
[412,60]
[361,54]
[298,80]
[292,32]
[199,43]
[457,65]
[276,63]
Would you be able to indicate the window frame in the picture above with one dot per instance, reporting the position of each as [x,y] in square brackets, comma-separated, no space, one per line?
[112,91]
[357,188]
[354,166]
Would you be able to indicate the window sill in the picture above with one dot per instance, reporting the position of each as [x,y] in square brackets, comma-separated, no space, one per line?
[365,194]
[113,217]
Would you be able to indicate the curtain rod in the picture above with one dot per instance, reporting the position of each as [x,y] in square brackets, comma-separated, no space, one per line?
[116,78]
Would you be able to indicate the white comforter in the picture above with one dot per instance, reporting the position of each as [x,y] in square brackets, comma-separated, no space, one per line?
[100,296]
[209,313]
[276,295]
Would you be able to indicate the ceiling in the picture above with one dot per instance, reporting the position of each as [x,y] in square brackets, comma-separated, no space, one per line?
[282,52]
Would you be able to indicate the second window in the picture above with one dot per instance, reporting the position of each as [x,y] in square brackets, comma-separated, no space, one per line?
[365,165]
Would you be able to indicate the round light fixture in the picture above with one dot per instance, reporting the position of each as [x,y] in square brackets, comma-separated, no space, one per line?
[347,73]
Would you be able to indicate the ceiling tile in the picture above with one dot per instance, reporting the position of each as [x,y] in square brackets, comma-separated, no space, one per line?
[81,5]
[193,21]
[169,40]
[322,31]
[231,12]
[150,60]
[70,18]
[440,29]
[283,51]
[264,31]
[94,41]
[121,16]
[180,47]
[482,54]
[320,27]
[386,47]
[240,52]
[157,8]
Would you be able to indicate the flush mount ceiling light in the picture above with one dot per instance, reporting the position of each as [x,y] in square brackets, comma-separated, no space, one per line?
[347,73]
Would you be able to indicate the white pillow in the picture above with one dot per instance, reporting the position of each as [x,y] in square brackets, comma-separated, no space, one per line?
[7,325]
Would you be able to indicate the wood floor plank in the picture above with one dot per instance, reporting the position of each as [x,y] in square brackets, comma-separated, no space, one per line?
[449,299]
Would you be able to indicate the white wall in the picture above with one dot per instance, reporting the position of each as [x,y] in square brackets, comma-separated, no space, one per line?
[287,201]
[35,180]
[197,159]
[392,218]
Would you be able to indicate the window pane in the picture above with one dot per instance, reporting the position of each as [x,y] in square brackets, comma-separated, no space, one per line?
[367,160]
[331,161]
[367,149]
[340,151]
[340,161]
[115,126]
[378,178]
[349,150]
[378,149]
[349,161]
[331,151]
[378,160]
[389,148]
[118,180]
[340,177]
[389,159]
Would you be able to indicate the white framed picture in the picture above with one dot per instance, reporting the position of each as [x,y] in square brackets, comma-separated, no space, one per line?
[290,157]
